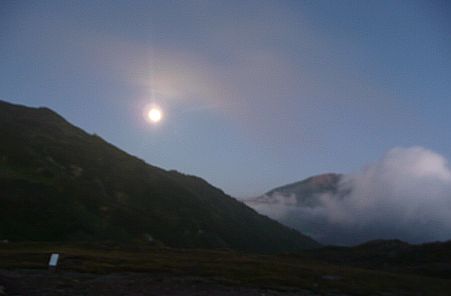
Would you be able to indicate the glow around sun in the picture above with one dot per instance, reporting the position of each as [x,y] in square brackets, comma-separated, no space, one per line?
[155,115]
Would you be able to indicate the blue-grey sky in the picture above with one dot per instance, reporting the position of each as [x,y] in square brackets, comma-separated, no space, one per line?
[255,94]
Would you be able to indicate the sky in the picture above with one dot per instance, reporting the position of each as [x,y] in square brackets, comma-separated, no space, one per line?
[255,94]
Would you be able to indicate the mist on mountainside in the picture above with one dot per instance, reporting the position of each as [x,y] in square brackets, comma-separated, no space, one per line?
[405,195]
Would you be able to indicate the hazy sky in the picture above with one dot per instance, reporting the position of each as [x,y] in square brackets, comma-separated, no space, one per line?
[255,94]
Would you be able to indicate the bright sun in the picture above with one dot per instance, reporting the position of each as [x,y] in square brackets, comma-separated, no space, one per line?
[155,115]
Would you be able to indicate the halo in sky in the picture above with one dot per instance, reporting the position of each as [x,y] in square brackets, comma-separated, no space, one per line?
[155,114]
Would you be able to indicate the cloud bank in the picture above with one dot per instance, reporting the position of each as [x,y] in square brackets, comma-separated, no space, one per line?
[405,195]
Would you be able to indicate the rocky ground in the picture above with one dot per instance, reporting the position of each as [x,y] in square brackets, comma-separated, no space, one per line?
[43,283]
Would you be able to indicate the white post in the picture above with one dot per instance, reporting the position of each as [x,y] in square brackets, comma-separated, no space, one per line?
[53,262]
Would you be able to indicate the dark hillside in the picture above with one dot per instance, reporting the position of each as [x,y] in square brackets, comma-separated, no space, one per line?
[58,183]
[430,259]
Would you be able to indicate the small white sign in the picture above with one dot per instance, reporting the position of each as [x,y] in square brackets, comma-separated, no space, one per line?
[54,260]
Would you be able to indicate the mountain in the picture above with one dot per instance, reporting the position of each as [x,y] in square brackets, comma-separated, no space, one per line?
[303,193]
[59,183]
[301,205]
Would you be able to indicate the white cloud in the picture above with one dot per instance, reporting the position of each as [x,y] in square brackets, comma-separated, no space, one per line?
[405,195]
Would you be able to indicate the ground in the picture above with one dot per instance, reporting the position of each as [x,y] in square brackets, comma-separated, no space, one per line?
[42,283]
[93,269]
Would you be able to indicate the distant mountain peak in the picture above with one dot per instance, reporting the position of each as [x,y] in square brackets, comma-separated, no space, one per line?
[302,193]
